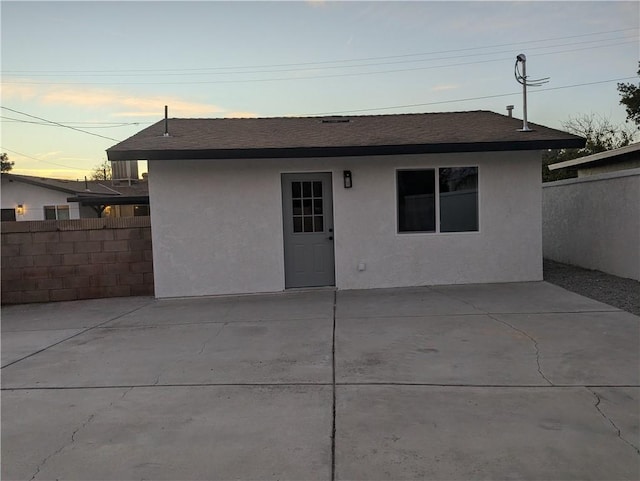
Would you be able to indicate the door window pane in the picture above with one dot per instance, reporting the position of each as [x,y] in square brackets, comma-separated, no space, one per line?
[297,224]
[306,206]
[416,201]
[297,207]
[317,189]
[306,189]
[458,199]
[308,224]
[318,223]
[296,190]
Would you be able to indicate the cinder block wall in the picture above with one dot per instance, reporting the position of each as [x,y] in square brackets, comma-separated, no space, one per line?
[44,261]
[594,222]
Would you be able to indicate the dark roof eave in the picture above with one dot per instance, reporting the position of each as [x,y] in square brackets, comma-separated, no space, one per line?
[111,200]
[348,151]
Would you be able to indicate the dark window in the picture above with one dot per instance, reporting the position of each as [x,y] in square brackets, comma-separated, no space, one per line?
[49,212]
[141,210]
[458,199]
[8,215]
[416,201]
[53,212]
[63,212]
[454,196]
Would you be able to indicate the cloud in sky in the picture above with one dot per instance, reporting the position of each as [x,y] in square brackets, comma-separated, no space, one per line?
[18,91]
[121,104]
[132,105]
[440,88]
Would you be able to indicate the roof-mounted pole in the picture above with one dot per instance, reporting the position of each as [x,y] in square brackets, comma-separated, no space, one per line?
[522,80]
[166,121]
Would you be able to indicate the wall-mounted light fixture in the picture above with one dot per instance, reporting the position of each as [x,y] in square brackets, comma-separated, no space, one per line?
[20,209]
[346,176]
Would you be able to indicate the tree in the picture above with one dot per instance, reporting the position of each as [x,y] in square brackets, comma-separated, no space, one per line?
[630,98]
[102,171]
[601,135]
[6,164]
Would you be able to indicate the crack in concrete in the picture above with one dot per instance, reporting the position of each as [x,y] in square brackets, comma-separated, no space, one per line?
[535,345]
[482,312]
[204,344]
[73,435]
[62,448]
[618,431]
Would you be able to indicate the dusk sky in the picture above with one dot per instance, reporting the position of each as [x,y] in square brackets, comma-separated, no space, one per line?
[109,68]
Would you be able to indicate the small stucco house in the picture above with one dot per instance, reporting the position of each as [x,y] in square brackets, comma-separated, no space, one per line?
[623,158]
[267,204]
[28,198]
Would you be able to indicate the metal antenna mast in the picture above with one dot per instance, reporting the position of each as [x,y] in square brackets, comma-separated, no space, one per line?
[526,82]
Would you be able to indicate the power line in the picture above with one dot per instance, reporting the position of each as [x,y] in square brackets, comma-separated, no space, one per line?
[279,70]
[86,125]
[464,99]
[314,77]
[39,160]
[325,62]
[58,124]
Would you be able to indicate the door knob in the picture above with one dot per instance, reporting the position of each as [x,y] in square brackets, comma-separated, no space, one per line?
[330,237]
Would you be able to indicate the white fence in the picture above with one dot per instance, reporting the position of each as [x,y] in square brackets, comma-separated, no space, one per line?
[594,222]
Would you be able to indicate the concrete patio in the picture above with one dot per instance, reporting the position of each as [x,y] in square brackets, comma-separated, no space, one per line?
[504,381]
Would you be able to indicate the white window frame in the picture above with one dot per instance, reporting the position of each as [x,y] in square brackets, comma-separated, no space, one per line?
[56,209]
[437,231]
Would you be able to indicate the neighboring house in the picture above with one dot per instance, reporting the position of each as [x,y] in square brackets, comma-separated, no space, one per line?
[624,158]
[40,198]
[594,221]
[132,201]
[262,205]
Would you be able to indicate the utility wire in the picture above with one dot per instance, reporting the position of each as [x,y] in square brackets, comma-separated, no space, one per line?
[86,125]
[303,64]
[465,99]
[58,124]
[313,77]
[39,160]
[341,111]
[244,72]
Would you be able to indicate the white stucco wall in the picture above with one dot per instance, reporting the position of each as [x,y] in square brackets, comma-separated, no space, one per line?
[34,198]
[217,225]
[594,222]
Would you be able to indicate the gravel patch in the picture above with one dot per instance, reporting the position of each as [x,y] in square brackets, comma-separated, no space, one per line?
[615,291]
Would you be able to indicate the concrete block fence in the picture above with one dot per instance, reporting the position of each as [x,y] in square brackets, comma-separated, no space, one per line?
[45,261]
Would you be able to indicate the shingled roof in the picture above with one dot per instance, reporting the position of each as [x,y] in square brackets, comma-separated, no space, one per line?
[337,136]
[87,188]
